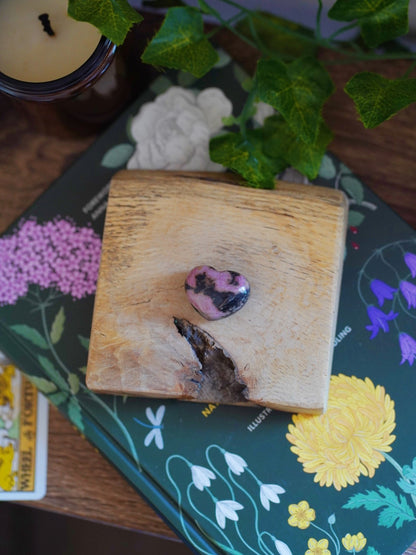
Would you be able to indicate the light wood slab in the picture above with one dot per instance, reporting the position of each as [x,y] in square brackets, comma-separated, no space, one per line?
[277,350]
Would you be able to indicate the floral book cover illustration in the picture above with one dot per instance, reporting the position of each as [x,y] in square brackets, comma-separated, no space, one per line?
[228,479]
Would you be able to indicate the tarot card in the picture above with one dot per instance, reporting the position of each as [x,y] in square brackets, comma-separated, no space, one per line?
[23,436]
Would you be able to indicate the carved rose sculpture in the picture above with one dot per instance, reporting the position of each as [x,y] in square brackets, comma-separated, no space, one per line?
[173,131]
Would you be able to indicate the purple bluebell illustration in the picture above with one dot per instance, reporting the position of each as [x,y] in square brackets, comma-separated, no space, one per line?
[394,266]
[408,348]
[379,320]
[410,260]
[382,291]
[409,293]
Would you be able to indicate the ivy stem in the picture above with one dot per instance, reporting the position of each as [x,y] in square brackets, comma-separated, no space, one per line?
[342,30]
[321,42]
[318,20]
[247,110]
[259,41]
[225,23]
[409,70]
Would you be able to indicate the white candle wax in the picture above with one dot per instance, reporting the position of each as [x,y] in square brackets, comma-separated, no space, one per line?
[29,54]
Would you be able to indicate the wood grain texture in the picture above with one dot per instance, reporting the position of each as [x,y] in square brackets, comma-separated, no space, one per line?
[38,143]
[288,243]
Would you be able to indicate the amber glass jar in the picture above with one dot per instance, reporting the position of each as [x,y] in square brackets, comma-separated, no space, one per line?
[65,87]
[96,91]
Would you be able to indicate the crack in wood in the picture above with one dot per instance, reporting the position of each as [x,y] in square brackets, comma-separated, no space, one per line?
[217,379]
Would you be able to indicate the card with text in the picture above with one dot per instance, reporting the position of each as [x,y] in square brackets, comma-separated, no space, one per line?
[23,436]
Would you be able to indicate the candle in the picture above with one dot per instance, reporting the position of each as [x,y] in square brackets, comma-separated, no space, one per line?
[39,42]
[46,56]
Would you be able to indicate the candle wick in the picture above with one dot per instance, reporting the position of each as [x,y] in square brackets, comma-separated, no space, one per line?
[44,18]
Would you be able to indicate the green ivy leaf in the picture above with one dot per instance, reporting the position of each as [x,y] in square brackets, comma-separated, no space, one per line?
[117,156]
[282,143]
[245,156]
[204,7]
[223,58]
[180,43]
[372,551]
[277,34]
[395,510]
[353,187]
[379,20]
[377,98]
[298,91]
[229,121]
[31,334]
[114,18]
[243,77]
[58,326]
[45,386]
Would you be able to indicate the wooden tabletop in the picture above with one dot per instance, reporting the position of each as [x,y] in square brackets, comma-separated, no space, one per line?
[37,144]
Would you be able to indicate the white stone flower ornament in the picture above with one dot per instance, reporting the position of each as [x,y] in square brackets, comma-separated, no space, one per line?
[173,131]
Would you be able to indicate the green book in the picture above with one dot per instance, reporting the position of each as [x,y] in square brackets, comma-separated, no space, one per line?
[229,479]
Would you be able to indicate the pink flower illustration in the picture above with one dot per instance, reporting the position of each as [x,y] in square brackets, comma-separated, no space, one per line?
[55,254]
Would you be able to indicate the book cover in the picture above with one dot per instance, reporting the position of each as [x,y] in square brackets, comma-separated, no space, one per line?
[229,479]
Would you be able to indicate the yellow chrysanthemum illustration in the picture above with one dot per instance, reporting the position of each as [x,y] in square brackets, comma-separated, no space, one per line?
[354,543]
[317,547]
[350,438]
[301,515]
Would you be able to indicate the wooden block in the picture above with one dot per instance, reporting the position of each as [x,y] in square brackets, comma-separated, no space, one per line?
[276,351]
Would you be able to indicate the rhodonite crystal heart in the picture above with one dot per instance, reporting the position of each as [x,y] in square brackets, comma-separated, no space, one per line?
[216,294]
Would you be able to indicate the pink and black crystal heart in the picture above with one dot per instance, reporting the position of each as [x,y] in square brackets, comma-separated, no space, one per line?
[216,294]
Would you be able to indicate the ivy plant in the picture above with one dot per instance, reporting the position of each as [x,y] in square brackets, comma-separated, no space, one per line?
[289,76]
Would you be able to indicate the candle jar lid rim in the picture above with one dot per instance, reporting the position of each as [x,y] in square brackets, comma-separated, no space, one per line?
[67,86]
